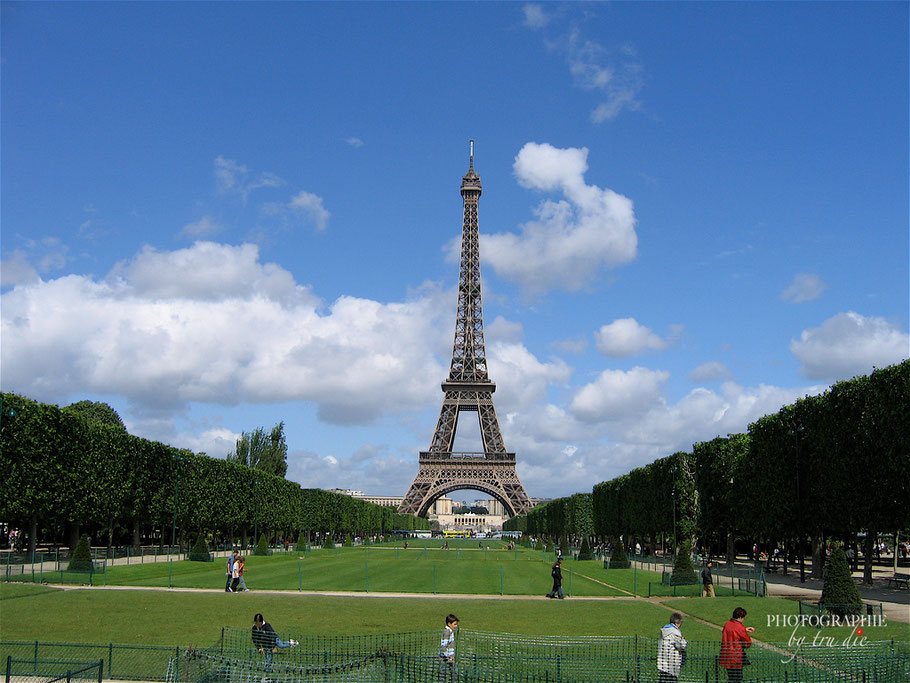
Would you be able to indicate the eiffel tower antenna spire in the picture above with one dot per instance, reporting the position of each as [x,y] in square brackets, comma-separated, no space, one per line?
[467,388]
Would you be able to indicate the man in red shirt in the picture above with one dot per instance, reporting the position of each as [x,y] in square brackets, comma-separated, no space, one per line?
[734,641]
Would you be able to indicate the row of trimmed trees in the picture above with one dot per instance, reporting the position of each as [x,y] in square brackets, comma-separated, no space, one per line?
[832,466]
[62,472]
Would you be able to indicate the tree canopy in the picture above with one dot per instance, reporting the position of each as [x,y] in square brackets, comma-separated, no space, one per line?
[261,451]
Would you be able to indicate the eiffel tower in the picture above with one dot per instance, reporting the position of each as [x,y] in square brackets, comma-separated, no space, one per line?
[468,388]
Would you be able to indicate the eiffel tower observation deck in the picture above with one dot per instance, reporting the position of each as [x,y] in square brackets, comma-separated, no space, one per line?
[467,389]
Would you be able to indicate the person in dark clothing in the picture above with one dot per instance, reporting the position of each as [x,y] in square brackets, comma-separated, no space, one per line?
[707,581]
[556,573]
[267,641]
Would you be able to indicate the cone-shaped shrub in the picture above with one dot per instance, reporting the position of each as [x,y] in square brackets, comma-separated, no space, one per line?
[584,553]
[683,569]
[564,545]
[262,548]
[347,541]
[839,592]
[200,551]
[619,560]
[81,560]
[301,542]
[329,542]
[539,545]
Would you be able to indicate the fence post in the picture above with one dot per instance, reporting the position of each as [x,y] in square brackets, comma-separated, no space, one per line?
[9,666]
[299,578]
[110,659]
[501,579]
[100,670]
[434,577]
[366,567]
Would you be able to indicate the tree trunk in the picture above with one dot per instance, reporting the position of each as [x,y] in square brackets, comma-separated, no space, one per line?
[868,549]
[818,554]
[73,539]
[731,548]
[137,537]
[32,536]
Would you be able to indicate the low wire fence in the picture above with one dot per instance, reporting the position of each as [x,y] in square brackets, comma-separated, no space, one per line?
[52,670]
[508,658]
[125,662]
[480,657]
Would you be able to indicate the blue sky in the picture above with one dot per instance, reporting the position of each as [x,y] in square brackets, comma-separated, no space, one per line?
[216,216]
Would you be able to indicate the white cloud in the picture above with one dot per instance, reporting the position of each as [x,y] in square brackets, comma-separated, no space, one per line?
[310,205]
[212,324]
[204,227]
[232,177]
[617,394]
[805,287]
[573,238]
[354,142]
[535,17]
[16,270]
[712,371]
[627,337]
[849,344]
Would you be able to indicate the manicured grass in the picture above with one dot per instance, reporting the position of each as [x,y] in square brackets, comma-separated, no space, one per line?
[174,619]
[381,569]
[9,591]
[719,610]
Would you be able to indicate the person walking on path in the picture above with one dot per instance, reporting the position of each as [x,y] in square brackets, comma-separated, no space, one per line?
[267,641]
[447,671]
[707,581]
[734,641]
[556,573]
[230,571]
[671,650]
[241,584]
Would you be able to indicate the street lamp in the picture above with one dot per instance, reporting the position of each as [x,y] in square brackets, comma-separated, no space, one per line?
[179,460]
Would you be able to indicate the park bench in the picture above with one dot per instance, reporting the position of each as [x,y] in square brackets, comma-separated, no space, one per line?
[899,580]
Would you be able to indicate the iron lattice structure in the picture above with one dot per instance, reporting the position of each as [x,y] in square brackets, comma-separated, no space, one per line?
[467,388]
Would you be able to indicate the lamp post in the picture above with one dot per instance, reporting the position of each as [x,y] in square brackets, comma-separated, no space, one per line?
[170,567]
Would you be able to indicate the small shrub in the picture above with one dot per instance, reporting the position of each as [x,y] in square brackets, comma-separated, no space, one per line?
[839,592]
[301,542]
[347,541]
[200,551]
[564,545]
[262,548]
[683,569]
[584,553]
[619,559]
[329,542]
[81,561]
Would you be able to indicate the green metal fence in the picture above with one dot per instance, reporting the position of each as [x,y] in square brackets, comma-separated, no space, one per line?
[480,657]
[52,670]
[510,658]
[126,662]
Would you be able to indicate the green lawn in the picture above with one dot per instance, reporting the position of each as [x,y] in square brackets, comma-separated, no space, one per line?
[719,610]
[170,618]
[381,569]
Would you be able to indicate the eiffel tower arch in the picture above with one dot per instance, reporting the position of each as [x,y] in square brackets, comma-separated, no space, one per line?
[467,389]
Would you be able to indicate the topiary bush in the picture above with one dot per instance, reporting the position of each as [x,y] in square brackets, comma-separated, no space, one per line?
[619,559]
[81,561]
[564,545]
[329,542]
[200,551]
[301,542]
[683,569]
[262,548]
[584,553]
[347,541]
[839,592]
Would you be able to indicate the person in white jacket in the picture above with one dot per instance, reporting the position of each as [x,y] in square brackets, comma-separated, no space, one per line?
[671,650]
